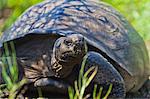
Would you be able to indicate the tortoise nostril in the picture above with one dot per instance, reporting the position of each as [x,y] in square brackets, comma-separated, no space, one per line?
[78,47]
[81,40]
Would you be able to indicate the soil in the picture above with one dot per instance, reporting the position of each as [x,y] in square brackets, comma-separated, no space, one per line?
[144,92]
[4,14]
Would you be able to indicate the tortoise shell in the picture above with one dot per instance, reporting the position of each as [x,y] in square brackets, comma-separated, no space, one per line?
[101,25]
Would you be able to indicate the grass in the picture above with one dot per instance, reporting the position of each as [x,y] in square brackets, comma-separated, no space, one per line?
[17,7]
[10,73]
[136,12]
[12,84]
[83,82]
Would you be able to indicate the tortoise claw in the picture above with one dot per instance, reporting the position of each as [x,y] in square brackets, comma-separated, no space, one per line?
[52,85]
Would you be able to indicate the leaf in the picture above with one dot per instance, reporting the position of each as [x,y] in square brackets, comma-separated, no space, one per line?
[94,91]
[108,92]
[92,75]
[71,93]
[14,68]
[4,73]
[81,71]
[100,93]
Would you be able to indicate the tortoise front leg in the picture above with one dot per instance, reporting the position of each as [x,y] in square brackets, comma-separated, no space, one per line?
[52,85]
[106,74]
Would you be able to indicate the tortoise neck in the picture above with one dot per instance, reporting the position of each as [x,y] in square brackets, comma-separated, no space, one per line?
[61,68]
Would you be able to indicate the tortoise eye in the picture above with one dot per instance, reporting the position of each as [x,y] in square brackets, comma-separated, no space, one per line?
[68,42]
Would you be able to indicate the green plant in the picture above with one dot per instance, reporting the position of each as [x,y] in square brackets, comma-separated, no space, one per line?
[17,8]
[136,12]
[83,82]
[12,85]
[10,73]
[3,4]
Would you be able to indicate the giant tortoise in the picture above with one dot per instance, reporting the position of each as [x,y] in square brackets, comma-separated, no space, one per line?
[52,37]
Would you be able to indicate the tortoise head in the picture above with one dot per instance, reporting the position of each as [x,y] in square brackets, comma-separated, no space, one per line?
[67,52]
[70,48]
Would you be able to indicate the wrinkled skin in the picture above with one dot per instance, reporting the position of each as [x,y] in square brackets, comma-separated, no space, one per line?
[43,67]
[50,69]
[68,51]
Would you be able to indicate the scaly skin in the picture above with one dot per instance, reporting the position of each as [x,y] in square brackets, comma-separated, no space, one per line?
[103,28]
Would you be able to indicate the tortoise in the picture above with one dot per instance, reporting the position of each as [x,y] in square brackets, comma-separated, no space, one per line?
[51,39]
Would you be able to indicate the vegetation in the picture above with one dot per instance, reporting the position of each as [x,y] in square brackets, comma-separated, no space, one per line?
[10,73]
[14,9]
[84,81]
[12,85]
[136,12]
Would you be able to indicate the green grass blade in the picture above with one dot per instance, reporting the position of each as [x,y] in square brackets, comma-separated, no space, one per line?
[88,71]
[71,93]
[108,92]
[92,75]
[2,86]
[39,92]
[87,96]
[15,66]
[7,54]
[4,72]
[82,91]
[76,88]
[16,87]
[94,91]
[3,59]
[100,93]
[81,72]
[6,77]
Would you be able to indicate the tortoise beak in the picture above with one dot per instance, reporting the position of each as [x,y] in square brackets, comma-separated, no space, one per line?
[78,48]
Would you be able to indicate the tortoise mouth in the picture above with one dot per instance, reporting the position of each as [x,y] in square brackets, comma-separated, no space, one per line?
[70,55]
